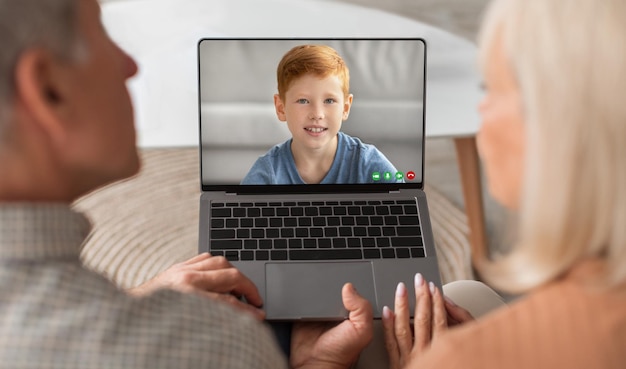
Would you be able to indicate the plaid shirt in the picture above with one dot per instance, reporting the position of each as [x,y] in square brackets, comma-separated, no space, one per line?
[54,313]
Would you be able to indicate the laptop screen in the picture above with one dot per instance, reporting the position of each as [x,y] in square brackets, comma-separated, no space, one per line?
[290,113]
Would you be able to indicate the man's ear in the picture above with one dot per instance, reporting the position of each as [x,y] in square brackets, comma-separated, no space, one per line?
[280,108]
[40,91]
[347,104]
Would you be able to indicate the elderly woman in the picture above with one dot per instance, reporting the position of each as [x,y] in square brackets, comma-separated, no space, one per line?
[553,141]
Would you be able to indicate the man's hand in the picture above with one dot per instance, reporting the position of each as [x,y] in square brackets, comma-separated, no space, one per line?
[327,345]
[213,277]
[433,315]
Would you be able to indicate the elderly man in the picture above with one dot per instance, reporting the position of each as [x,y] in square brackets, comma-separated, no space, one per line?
[66,128]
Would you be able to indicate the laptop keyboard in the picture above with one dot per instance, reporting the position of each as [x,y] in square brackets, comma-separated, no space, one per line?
[319,230]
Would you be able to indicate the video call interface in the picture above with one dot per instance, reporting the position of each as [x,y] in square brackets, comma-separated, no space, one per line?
[245,142]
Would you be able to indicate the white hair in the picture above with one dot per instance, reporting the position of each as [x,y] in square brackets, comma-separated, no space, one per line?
[569,58]
[50,24]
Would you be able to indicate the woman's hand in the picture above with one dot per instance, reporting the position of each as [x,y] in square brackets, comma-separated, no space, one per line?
[328,345]
[433,314]
[212,277]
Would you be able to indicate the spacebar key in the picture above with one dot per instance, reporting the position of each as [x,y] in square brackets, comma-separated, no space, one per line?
[325,254]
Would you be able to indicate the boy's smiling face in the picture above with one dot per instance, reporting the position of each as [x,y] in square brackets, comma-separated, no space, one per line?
[314,108]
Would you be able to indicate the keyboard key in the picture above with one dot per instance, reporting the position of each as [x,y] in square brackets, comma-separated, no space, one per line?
[217,223]
[319,222]
[239,212]
[317,203]
[362,221]
[276,222]
[403,253]
[345,231]
[410,209]
[368,242]
[258,233]
[276,204]
[243,233]
[339,243]
[378,221]
[348,221]
[250,244]
[247,255]
[316,232]
[260,204]
[326,210]
[304,203]
[359,231]
[418,252]
[246,222]
[232,255]
[383,242]
[297,212]
[325,254]
[409,231]
[302,232]
[311,212]
[371,254]
[226,245]
[406,241]
[272,233]
[218,234]
[254,212]
[389,202]
[354,242]
[368,210]
[388,254]
[341,210]
[324,243]
[331,232]
[217,204]
[290,222]
[405,202]
[282,212]
[374,232]
[354,210]
[232,223]
[389,231]
[278,254]
[268,212]
[310,243]
[408,220]
[220,213]
[397,210]
[280,244]
[261,222]
[305,222]
[333,221]
[287,233]
[265,244]
[217,253]
[382,210]
[262,255]
[295,243]
[231,204]
[391,220]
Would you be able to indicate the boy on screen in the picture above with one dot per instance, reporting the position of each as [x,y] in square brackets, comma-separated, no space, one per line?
[314,99]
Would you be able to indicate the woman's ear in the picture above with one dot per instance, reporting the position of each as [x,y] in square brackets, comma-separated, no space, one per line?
[280,108]
[40,85]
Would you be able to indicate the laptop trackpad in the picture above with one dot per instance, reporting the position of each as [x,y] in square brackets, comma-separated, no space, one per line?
[313,290]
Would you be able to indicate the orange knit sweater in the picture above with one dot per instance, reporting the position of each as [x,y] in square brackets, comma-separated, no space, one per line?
[565,324]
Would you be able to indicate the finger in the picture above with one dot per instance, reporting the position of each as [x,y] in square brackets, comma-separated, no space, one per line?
[360,310]
[390,339]
[195,259]
[423,314]
[402,321]
[440,316]
[457,313]
[236,303]
[228,280]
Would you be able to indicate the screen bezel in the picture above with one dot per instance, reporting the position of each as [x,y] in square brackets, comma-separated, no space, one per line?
[312,188]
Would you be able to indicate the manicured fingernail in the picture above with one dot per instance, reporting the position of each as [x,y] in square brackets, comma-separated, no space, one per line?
[431,285]
[449,300]
[386,313]
[401,290]
[419,279]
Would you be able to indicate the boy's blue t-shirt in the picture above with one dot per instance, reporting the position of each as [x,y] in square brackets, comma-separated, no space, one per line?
[355,162]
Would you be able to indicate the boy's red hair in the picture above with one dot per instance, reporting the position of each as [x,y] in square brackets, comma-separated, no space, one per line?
[319,60]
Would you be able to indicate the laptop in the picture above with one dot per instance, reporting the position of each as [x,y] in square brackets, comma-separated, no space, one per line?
[300,243]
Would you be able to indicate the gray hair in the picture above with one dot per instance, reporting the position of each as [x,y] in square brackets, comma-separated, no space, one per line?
[569,58]
[50,24]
